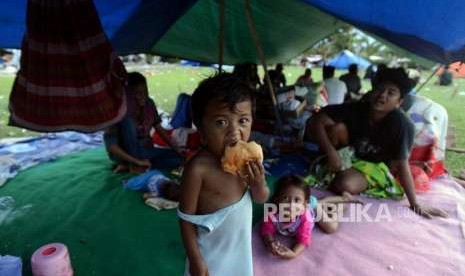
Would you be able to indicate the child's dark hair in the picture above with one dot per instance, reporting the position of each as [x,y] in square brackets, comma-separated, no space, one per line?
[291,180]
[224,87]
[170,190]
[398,76]
[135,78]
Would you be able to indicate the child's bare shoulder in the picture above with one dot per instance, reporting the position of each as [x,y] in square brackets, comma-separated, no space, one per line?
[201,163]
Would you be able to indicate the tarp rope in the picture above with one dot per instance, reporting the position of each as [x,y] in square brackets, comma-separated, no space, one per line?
[428,79]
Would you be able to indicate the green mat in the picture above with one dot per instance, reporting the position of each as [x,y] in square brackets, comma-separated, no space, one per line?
[108,230]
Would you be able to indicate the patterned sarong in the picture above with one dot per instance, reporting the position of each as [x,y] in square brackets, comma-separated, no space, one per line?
[381,183]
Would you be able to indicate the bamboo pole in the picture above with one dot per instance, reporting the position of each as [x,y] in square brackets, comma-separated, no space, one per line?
[261,54]
[221,35]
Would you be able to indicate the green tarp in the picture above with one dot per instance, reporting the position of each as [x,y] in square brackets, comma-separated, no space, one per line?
[283,34]
[78,201]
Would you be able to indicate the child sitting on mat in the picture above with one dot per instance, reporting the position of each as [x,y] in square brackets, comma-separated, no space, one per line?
[294,216]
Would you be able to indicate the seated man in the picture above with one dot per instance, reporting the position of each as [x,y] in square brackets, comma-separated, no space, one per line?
[277,76]
[352,81]
[305,79]
[248,73]
[445,79]
[381,135]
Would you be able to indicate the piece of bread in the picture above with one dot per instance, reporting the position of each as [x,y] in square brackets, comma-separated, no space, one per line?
[235,158]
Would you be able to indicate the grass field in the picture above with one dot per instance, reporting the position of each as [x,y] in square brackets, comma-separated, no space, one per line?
[167,81]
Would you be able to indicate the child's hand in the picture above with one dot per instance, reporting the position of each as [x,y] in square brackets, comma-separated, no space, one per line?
[349,198]
[141,166]
[180,151]
[198,268]
[428,211]
[280,250]
[256,174]
[285,252]
[255,178]
[145,163]
[273,246]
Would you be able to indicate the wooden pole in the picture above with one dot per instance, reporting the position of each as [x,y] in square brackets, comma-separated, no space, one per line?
[261,55]
[221,36]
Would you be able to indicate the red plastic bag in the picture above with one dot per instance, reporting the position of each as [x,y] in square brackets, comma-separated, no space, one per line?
[420,178]
[423,156]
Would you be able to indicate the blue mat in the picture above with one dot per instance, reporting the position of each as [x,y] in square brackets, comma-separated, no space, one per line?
[29,152]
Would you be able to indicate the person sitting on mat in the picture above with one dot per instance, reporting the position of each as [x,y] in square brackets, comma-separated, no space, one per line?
[129,143]
[248,73]
[295,213]
[305,79]
[381,136]
[215,208]
[277,76]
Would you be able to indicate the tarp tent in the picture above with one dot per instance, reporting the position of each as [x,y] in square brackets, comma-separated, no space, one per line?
[345,58]
[188,29]
[130,239]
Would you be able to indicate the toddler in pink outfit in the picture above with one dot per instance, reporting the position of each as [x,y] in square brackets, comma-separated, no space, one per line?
[292,217]
[296,212]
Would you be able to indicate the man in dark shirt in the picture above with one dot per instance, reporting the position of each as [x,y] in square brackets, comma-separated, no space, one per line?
[277,76]
[378,131]
[445,78]
[352,80]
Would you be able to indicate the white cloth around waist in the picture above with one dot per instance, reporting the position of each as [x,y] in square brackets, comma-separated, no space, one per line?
[225,238]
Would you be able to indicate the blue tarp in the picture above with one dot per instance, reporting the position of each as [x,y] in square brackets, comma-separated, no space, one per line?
[345,58]
[182,115]
[29,152]
[133,26]
[431,29]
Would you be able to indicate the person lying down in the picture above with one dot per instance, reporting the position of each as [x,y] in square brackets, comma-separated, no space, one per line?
[159,191]
[295,213]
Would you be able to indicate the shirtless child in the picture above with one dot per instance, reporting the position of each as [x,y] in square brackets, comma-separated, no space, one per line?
[216,207]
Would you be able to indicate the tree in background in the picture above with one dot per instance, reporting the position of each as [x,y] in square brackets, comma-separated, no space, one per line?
[349,38]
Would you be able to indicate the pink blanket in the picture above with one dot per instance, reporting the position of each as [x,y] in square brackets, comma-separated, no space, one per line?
[404,245]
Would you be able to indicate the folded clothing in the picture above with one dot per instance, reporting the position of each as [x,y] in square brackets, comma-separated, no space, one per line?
[160,203]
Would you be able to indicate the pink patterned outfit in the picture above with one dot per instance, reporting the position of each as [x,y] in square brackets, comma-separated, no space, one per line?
[301,228]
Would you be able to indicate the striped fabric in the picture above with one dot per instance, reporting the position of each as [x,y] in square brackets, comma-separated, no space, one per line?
[70,78]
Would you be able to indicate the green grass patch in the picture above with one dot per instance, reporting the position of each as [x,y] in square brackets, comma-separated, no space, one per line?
[166,82]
